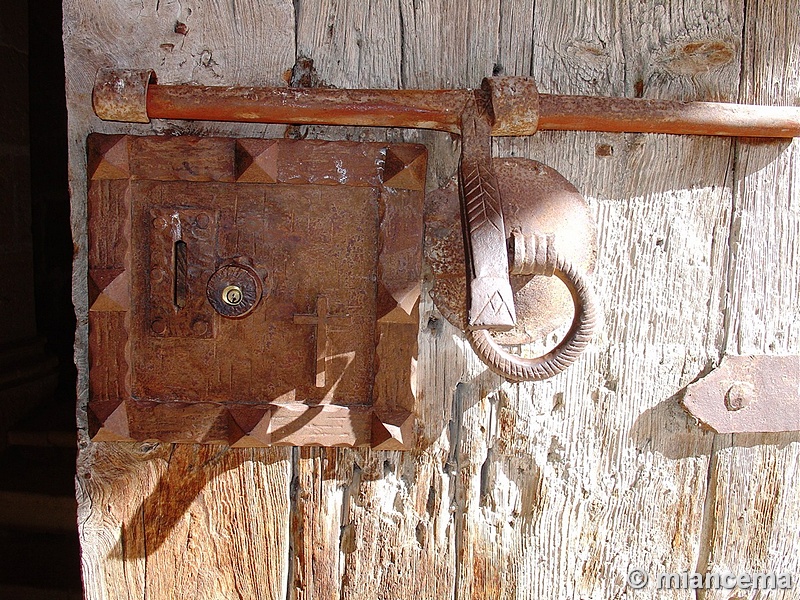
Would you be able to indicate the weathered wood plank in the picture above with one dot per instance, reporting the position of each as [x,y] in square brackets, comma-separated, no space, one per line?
[753,507]
[157,518]
[353,44]
[212,522]
[376,524]
[580,478]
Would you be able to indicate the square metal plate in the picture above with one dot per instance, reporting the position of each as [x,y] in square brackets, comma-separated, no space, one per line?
[320,245]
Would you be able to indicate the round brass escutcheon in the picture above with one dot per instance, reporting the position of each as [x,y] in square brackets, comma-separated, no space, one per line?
[232,295]
[234,290]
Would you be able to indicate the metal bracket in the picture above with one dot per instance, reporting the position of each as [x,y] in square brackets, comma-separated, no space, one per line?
[748,394]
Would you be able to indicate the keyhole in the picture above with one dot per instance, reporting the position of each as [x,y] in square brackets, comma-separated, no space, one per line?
[181,274]
[232,295]
[234,290]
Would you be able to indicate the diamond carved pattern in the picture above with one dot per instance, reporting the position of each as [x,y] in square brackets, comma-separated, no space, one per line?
[256,161]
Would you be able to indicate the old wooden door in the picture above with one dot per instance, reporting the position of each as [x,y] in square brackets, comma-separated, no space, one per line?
[549,490]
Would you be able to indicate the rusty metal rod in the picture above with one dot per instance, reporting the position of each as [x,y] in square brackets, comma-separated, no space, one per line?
[516,107]
[441,109]
[639,115]
[423,109]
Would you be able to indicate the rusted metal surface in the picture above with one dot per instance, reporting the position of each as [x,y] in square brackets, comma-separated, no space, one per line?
[748,394]
[490,299]
[503,106]
[422,109]
[514,105]
[521,368]
[121,95]
[640,115]
[234,290]
[536,201]
[166,279]
[321,319]
[517,109]
[253,291]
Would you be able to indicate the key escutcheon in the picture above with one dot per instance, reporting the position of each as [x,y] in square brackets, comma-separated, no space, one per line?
[234,290]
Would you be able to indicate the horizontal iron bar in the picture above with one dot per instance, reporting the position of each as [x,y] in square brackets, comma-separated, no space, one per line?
[643,115]
[514,106]
[441,110]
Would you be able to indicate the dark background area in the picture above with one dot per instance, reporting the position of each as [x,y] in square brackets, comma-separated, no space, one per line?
[52,238]
[39,551]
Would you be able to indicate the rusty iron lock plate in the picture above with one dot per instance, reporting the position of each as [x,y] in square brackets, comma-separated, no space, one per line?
[254,292]
[748,394]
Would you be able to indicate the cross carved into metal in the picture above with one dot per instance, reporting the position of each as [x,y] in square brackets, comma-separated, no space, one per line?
[321,319]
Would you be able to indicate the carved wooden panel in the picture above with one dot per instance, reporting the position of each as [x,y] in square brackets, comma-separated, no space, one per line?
[254,292]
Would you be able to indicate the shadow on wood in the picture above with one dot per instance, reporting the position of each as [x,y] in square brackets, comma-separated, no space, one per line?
[189,468]
[667,428]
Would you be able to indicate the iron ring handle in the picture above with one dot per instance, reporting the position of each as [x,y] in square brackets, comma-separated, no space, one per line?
[516,368]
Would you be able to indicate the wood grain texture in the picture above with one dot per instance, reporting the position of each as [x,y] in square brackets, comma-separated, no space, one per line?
[547,490]
[379,522]
[182,521]
[618,471]
[753,507]
[236,42]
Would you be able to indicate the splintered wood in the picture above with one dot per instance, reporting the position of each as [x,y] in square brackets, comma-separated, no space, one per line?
[550,490]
